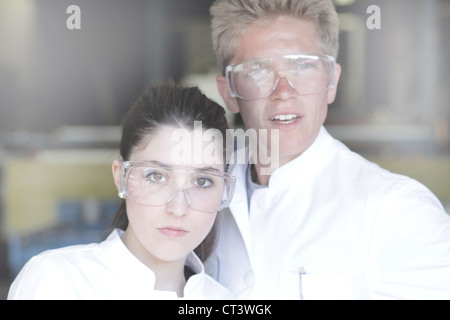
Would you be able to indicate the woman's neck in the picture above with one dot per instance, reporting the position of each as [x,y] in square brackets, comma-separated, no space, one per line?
[169,276]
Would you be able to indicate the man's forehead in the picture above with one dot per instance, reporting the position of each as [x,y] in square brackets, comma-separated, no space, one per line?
[285,35]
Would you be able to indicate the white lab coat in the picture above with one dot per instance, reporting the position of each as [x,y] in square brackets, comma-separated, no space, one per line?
[332,225]
[107,270]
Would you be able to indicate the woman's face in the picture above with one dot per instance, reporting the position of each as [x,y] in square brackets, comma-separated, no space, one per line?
[167,232]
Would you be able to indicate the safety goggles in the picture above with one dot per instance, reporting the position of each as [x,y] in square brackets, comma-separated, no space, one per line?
[258,78]
[155,184]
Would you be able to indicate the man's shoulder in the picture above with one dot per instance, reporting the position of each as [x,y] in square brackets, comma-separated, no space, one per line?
[368,174]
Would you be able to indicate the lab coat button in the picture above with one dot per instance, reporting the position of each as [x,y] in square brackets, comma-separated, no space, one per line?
[249,277]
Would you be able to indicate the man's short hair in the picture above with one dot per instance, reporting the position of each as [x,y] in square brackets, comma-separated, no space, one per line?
[232,17]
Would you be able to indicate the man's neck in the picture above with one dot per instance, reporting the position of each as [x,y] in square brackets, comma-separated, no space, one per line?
[261,173]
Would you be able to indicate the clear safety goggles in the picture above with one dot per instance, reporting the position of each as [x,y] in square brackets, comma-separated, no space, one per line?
[155,184]
[306,74]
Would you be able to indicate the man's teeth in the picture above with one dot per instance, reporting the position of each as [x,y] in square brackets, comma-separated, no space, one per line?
[286,117]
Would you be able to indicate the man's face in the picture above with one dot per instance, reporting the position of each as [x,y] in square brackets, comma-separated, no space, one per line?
[297,117]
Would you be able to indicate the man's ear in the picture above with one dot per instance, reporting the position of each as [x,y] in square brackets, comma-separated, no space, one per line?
[230,101]
[332,92]
[116,171]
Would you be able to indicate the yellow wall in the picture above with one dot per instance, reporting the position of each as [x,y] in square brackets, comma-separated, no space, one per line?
[34,188]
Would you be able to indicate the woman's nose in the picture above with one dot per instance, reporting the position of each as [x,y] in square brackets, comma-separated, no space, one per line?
[178,203]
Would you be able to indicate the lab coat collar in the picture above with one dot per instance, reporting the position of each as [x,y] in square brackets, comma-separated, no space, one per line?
[140,273]
[194,263]
[239,204]
[315,158]
[120,257]
[114,240]
[307,166]
[318,154]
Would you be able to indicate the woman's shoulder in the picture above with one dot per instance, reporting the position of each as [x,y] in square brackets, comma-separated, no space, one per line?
[65,256]
[45,274]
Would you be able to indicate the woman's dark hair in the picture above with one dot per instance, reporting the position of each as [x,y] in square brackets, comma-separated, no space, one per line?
[168,105]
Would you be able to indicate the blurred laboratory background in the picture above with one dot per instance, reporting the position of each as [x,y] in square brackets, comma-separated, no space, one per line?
[63,93]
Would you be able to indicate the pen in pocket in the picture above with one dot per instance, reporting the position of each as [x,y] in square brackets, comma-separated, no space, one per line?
[301,272]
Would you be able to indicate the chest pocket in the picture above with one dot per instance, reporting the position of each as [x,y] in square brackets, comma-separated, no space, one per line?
[326,287]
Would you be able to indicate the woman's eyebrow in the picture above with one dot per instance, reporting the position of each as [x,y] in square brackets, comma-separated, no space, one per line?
[169,166]
[161,164]
[209,169]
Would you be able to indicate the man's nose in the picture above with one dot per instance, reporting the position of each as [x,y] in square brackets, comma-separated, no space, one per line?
[178,203]
[283,89]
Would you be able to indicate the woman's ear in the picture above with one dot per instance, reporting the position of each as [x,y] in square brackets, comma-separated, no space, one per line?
[332,92]
[230,101]
[116,171]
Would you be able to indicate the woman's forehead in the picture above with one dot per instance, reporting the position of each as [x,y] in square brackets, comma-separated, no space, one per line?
[177,146]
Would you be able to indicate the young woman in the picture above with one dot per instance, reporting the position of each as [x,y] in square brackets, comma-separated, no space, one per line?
[169,208]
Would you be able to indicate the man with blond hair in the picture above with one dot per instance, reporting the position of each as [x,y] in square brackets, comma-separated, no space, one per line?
[326,223]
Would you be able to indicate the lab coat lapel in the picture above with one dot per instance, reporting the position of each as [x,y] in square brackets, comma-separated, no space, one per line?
[239,205]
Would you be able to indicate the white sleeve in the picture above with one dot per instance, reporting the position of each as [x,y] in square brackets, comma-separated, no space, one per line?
[410,256]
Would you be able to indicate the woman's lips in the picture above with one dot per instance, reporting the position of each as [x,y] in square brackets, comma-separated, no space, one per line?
[173,232]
